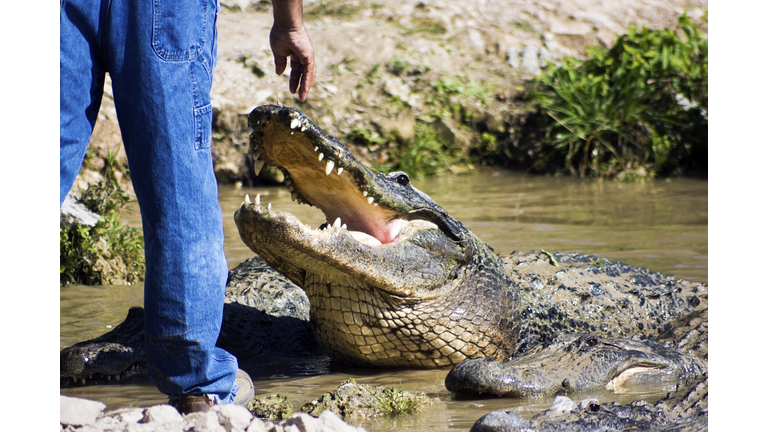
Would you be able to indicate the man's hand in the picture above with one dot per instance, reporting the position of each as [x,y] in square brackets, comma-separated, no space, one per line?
[289,38]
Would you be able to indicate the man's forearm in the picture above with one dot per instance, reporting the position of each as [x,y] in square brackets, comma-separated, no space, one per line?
[288,14]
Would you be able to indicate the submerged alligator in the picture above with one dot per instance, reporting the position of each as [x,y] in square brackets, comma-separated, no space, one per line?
[394,281]
[684,410]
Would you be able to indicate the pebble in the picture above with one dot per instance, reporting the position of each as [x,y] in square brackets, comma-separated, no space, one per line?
[85,415]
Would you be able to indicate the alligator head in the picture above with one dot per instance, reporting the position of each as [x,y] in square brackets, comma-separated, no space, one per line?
[112,355]
[573,363]
[393,280]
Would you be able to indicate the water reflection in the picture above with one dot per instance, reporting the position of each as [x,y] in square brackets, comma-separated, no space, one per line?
[661,225]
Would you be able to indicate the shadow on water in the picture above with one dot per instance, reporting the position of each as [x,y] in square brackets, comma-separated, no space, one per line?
[661,225]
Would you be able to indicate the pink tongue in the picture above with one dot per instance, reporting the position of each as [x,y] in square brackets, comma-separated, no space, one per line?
[388,232]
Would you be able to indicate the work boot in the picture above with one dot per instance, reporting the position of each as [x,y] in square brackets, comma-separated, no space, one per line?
[202,403]
[245,391]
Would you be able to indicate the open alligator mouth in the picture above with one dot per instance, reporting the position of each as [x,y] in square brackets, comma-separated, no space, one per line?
[321,172]
[392,279]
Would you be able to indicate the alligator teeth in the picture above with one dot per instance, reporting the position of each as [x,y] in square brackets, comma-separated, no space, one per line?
[316,147]
[290,188]
[293,196]
[258,200]
[344,226]
[257,155]
[117,377]
[339,170]
[109,377]
[82,381]
[337,223]
[257,166]
[370,200]
[247,199]
[269,207]
[329,167]
[321,156]
[295,123]
[365,193]
[303,127]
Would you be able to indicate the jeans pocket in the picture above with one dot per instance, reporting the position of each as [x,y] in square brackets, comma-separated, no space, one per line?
[179,28]
[203,125]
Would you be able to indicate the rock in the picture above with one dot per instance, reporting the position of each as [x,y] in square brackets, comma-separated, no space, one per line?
[234,417]
[513,57]
[78,412]
[330,421]
[163,418]
[207,422]
[257,425]
[531,60]
[84,415]
[402,129]
[449,132]
[75,213]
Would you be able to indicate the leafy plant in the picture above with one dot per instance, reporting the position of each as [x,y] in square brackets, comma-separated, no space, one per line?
[640,107]
[106,253]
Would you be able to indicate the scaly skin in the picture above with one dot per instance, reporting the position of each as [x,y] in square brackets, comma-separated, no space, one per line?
[422,290]
[685,410]
[574,362]
[402,283]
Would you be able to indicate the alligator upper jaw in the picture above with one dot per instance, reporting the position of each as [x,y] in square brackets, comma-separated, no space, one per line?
[321,172]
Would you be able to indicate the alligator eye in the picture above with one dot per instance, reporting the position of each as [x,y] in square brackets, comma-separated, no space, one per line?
[403,180]
[593,407]
[590,342]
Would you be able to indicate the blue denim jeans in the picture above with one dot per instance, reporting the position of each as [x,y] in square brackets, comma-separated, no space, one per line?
[160,55]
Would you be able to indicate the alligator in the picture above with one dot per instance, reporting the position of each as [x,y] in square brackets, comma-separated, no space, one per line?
[394,281]
[683,410]
[578,362]
[265,315]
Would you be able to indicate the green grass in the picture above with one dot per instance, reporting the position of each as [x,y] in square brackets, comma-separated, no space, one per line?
[618,111]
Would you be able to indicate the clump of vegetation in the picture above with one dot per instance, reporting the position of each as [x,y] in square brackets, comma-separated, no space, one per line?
[273,407]
[428,155]
[631,112]
[107,253]
[394,401]
[352,401]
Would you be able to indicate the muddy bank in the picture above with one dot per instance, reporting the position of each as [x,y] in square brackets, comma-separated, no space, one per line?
[387,69]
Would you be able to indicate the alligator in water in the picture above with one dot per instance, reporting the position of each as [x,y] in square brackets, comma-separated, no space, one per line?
[574,362]
[684,410]
[393,280]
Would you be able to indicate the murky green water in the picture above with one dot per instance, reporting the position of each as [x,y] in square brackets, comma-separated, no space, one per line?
[661,225]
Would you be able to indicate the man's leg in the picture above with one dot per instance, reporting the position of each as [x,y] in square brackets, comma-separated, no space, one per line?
[81,79]
[161,56]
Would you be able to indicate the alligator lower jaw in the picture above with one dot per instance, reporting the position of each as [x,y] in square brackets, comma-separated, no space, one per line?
[98,378]
[287,244]
[618,384]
